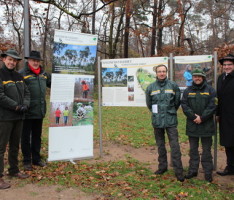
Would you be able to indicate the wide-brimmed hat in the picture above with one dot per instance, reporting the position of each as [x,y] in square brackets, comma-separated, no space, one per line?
[228,57]
[198,72]
[12,53]
[34,55]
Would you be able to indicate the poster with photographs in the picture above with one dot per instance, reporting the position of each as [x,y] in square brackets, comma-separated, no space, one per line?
[71,100]
[185,64]
[124,81]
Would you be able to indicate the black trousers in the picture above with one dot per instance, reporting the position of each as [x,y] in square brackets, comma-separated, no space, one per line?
[206,156]
[230,158]
[10,132]
[31,140]
[172,133]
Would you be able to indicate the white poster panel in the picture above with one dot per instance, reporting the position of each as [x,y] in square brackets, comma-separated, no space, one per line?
[71,100]
[185,64]
[70,143]
[124,81]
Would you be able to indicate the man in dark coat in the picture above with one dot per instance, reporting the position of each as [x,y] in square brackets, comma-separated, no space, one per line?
[14,101]
[163,100]
[198,104]
[37,81]
[225,111]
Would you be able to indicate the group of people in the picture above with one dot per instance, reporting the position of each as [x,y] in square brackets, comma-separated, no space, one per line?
[22,109]
[200,104]
[58,115]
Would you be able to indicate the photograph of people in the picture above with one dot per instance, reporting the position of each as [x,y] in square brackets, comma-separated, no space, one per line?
[65,115]
[57,115]
[82,113]
[85,89]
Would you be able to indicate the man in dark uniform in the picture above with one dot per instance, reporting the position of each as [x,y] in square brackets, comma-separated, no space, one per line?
[37,81]
[163,100]
[14,101]
[225,111]
[198,104]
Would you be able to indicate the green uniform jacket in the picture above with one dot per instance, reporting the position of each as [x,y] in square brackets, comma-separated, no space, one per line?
[199,100]
[13,92]
[166,95]
[37,86]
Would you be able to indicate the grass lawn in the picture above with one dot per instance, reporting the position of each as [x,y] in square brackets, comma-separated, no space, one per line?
[126,179]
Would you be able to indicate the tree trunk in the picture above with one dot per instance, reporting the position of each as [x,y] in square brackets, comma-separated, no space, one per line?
[45,37]
[160,28]
[153,40]
[127,27]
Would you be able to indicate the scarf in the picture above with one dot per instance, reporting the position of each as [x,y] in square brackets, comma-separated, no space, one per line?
[35,71]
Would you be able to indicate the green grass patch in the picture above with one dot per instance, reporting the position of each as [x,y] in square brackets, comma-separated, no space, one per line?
[126,179]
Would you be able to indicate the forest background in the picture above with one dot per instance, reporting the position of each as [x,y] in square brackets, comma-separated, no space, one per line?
[125,28]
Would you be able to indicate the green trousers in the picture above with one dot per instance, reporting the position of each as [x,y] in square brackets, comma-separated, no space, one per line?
[10,132]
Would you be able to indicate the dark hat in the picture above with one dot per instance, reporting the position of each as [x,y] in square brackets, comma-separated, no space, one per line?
[34,55]
[228,57]
[198,72]
[12,53]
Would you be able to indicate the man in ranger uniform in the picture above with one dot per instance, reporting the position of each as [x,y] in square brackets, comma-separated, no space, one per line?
[14,101]
[198,104]
[163,100]
[37,80]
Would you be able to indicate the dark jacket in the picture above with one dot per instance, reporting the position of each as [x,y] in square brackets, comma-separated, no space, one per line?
[13,92]
[225,92]
[37,86]
[199,100]
[166,95]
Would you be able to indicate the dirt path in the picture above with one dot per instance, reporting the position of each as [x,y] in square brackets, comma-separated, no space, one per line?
[111,152]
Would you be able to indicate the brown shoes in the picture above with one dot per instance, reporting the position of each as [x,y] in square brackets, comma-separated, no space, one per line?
[19,175]
[3,184]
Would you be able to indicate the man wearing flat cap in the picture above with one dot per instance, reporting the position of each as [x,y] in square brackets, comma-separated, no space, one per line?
[37,81]
[225,111]
[198,104]
[14,102]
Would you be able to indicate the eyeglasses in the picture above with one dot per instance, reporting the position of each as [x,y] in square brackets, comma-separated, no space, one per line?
[161,72]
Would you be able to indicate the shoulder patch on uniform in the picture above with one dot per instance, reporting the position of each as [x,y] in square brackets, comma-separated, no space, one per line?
[7,82]
[205,93]
[29,76]
[192,93]
[169,91]
[155,92]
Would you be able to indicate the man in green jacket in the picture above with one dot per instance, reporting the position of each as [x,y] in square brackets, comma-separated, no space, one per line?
[198,104]
[163,100]
[14,102]
[37,81]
